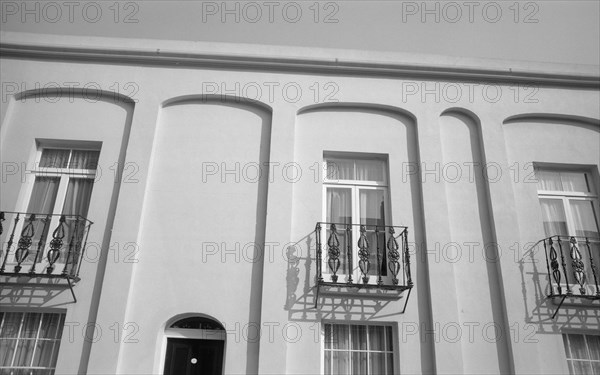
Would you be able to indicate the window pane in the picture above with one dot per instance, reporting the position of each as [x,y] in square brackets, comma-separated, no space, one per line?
[390,363]
[43,195]
[574,181]
[341,336]
[370,170]
[389,338]
[11,324]
[7,349]
[584,218]
[548,180]
[340,361]
[567,346]
[359,363]
[339,210]
[359,337]
[50,326]
[81,159]
[43,353]
[553,215]
[24,353]
[340,169]
[31,325]
[54,158]
[376,363]
[578,349]
[327,362]
[328,336]
[582,367]
[77,200]
[372,207]
[594,346]
[376,339]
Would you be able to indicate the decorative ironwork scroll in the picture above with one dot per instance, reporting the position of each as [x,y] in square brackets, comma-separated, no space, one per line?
[363,254]
[24,243]
[333,244]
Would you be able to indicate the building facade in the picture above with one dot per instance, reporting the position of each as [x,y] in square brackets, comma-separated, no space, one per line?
[174,207]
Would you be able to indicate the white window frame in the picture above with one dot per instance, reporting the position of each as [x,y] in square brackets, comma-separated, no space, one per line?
[567,196]
[568,355]
[65,175]
[55,346]
[355,186]
[393,352]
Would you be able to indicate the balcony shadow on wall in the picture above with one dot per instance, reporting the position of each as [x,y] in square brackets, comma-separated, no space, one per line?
[344,303]
[575,313]
[24,292]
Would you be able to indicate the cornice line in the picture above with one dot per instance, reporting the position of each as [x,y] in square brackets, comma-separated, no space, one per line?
[335,67]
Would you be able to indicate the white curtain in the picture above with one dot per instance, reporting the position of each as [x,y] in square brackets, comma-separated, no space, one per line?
[372,213]
[43,195]
[370,170]
[22,332]
[360,170]
[43,198]
[339,211]
[346,349]
[562,181]
[54,158]
[340,169]
[573,181]
[84,159]
[553,215]
[584,218]
[77,201]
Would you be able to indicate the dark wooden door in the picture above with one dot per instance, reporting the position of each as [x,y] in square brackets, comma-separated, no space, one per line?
[194,357]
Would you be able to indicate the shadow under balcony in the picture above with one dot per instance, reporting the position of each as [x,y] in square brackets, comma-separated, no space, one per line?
[43,246]
[370,261]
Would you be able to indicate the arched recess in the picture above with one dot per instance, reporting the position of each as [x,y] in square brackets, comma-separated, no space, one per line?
[70,119]
[193,343]
[471,222]
[358,106]
[559,138]
[358,131]
[204,213]
[552,117]
[215,98]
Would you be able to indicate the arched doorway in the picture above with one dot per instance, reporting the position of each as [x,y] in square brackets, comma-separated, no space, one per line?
[195,346]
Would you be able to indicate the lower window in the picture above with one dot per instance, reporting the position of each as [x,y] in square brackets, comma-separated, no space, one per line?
[358,349]
[583,353]
[29,342]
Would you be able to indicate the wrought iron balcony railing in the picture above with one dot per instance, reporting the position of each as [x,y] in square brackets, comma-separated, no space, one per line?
[377,257]
[573,265]
[42,245]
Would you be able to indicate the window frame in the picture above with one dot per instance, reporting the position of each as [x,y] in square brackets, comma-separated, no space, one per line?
[56,341]
[568,358]
[355,187]
[64,175]
[394,351]
[565,197]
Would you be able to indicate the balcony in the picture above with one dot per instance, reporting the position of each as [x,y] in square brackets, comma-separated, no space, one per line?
[573,265]
[377,259]
[42,245]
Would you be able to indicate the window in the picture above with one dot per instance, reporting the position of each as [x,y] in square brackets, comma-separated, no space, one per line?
[583,353]
[64,179]
[356,192]
[29,342]
[569,203]
[358,349]
[569,206]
